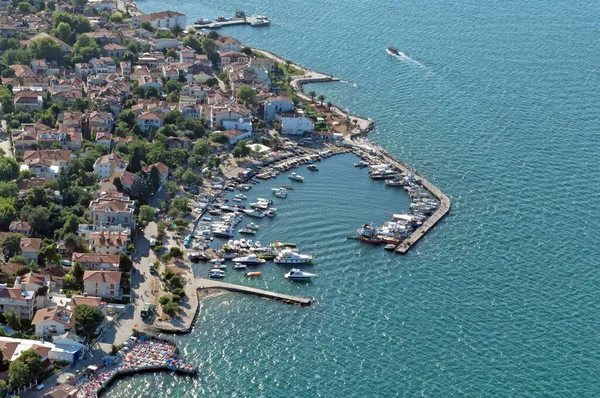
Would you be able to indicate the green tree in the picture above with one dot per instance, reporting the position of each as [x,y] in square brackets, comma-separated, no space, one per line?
[145,216]
[84,49]
[246,50]
[146,25]
[77,271]
[49,255]
[193,42]
[154,179]
[12,319]
[173,85]
[64,32]
[209,47]
[25,7]
[171,52]
[247,94]
[33,361]
[87,320]
[69,280]
[170,308]
[321,98]
[18,374]
[6,100]
[11,245]
[8,190]
[39,218]
[173,117]
[312,96]
[241,150]
[37,196]
[200,148]
[9,169]
[8,213]
[46,48]
[164,300]
[116,17]
[125,263]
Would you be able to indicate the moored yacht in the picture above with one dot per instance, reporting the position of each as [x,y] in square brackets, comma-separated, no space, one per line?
[289,257]
[250,259]
[312,167]
[279,192]
[295,273]
[254,213]
[296,177]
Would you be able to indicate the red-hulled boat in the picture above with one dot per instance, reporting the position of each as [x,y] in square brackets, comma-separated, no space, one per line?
[368,235]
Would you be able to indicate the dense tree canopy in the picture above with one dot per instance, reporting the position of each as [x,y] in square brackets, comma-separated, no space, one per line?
[87,320]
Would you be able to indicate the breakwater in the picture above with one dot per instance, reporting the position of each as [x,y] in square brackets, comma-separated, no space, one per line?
[209,284]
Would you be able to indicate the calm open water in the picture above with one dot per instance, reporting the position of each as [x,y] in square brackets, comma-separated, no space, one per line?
[495,102]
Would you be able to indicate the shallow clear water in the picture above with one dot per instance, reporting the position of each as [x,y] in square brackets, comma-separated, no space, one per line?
[497,104]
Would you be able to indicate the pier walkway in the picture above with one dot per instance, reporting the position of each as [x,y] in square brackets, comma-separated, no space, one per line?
[208,284]
[444,208]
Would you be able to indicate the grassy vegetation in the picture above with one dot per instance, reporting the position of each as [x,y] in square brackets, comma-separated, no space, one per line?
[289,70]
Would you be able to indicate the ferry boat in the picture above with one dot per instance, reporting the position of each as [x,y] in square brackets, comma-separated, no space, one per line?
[295,273]
[251,259]
[312,167]
[392,50]
[252,274]
[290,257]
[296,177]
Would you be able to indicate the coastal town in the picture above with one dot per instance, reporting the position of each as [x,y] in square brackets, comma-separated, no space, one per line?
[123,134]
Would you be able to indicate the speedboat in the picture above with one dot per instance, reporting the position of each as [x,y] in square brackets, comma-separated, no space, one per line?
[362,163]
[252,274]
[260,22]
[217,260]
[217,273]
[296,177]
[392,50]
[247,231]
[240,266]
[252,226]
[312,167]
[295,273]
[254,213]
[250,259]
[289,257]
[390,246]
[219,266]
[260,205]
[240,196]
[223,232]
[271,212]
[280,192]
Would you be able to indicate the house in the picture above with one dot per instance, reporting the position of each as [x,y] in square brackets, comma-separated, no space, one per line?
[20,227]
[226,43]
[163,19]
[105,139]
[62,391]
[46,163]
[53,321]
[159,44]
[219,113]
[102,5]
[145,82]
[108,242]
[150,120]
[30,248]
[231,57]
[84,69]
[126,178]
[233,136]
[190,111]
[276,105]
[163,171]
[63,46]
[108,164]
[90,301]
[94,261]
[22,302]
[28,100]
[294,123]
[114,50]
[243,123]
[98,121]
[104,65]
[85,230]
[39,66]
[31,281]
[10,269]
[105,284]
[109,209]
[8,30]
[104,36]
[13,348]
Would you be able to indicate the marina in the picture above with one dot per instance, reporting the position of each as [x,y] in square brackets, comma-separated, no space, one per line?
[240,18]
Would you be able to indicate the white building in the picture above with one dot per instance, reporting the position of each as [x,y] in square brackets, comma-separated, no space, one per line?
[108,242]
[276,105]
[294,123]
[233,136]
[21,301]
[243,123]
[150,120]
[163,19]
[105,284]
[97,262]
[112,208]
[53,321]
[108,164]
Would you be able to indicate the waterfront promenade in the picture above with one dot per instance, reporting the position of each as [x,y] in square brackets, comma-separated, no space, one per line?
[209,284]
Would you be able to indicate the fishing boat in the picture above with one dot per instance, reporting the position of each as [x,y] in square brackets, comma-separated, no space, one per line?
[368,235]
[240,266]
[253,274]
[296,177]
[295,273]
[392,50]
[247,231]
[312,167]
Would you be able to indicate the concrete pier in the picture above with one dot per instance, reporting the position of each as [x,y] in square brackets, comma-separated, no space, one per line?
[432,220]
[208,284]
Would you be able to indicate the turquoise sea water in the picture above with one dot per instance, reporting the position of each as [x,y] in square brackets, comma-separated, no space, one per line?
[496,103]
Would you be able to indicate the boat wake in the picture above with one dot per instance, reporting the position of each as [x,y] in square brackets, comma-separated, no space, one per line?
[408,60]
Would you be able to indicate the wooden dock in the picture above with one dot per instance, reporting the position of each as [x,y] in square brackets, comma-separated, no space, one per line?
[208,284]
[432,220]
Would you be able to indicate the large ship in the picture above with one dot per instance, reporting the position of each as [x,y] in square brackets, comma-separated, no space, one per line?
[392,50]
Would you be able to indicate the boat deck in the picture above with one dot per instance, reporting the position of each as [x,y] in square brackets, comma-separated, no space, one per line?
[207,284]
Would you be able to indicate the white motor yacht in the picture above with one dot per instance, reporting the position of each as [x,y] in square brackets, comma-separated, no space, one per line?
[295,273]
[252,226]
[296,177]
[240,266]
[250,259]
[289,257]
[280,192]
[240,196]
[254,213]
